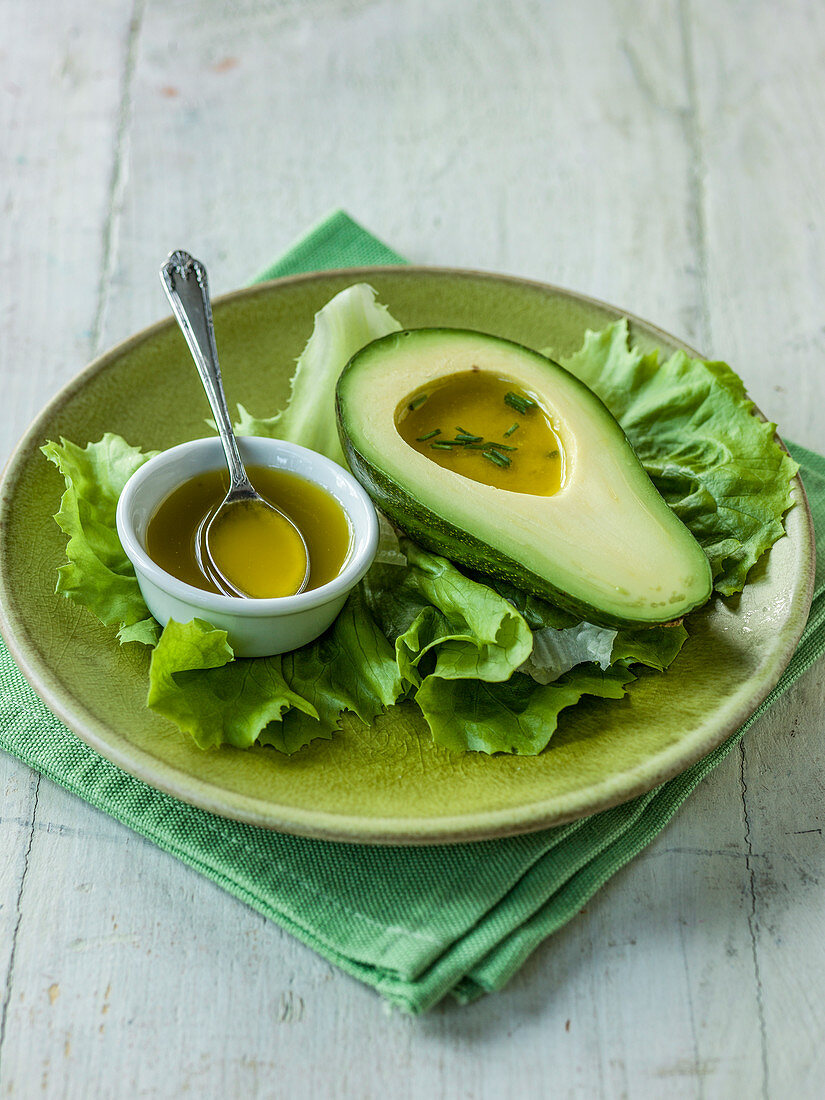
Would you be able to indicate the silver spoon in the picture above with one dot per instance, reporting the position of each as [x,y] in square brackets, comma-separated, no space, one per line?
[185,282]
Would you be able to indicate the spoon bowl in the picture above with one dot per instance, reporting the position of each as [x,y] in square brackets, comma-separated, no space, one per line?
[245,538]
[243,530]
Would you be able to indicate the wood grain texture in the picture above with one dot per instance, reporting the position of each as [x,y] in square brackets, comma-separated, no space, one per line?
[663,156]
[760,121]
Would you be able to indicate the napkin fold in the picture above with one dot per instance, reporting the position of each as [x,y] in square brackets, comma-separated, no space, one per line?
[416,924]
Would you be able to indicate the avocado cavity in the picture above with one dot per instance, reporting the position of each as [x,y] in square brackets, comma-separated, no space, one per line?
[486,428]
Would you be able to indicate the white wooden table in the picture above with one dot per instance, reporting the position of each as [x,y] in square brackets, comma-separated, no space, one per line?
[666,156]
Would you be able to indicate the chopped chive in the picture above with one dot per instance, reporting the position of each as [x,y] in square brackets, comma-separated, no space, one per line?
[502,447]
[520,402]
[466,437]
[429,435]
[417,402]
[498,459]
[510,430]
[441,446]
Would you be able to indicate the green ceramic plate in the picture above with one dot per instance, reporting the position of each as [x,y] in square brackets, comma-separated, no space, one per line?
[387,783]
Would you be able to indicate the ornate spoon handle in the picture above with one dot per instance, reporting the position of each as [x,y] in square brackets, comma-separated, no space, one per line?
[187,288]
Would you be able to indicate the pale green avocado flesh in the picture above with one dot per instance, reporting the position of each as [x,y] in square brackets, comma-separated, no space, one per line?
[605,547]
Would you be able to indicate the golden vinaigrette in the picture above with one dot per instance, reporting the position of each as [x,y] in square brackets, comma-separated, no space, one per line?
[170,535]
[487,429]
[258,550]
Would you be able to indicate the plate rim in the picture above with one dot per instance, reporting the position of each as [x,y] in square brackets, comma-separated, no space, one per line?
[610,791]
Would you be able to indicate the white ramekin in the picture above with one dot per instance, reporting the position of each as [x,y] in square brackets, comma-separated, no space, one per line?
[255,628]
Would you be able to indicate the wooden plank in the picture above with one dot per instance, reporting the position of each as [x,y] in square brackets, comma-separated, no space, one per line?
[124,951]
[760,94]
[784,776]
[498,149]
[54,189]
[759,99]
[20,790]
[55,193]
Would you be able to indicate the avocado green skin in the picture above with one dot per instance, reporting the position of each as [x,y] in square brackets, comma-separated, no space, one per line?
[435,533]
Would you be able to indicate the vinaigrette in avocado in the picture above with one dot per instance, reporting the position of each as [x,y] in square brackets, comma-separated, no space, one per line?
[486,428]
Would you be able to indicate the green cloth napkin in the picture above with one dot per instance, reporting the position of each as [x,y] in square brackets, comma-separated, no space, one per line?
[335,242]
[414,923]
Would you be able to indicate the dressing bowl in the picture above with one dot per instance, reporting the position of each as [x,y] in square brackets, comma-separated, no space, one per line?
[255,627]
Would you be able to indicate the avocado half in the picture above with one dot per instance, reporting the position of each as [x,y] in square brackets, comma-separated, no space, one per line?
[605,547]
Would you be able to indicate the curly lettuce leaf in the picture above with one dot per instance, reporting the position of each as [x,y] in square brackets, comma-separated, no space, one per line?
[195,681]
[350,667]
[436,613]
[284,701]
[718,466]
[98,575]
[656,646]
[557,651]
[463,647]
[347,322]
[560,640]
[518,716]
